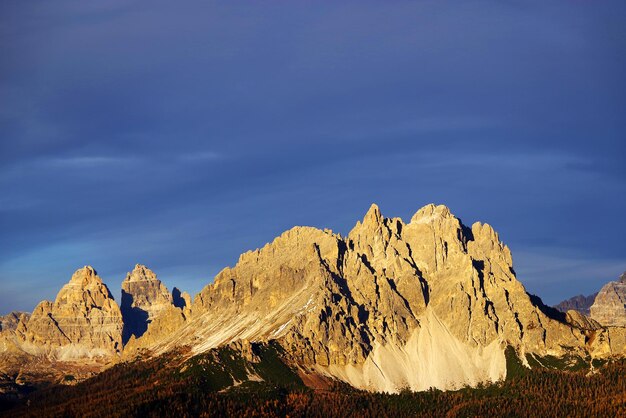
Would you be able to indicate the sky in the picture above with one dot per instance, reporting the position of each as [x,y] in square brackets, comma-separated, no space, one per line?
[180,135]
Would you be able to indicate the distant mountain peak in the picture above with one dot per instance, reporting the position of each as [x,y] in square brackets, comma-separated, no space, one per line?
[579,303]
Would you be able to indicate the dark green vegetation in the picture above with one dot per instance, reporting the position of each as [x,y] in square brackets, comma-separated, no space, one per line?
[573,363]
[222,382]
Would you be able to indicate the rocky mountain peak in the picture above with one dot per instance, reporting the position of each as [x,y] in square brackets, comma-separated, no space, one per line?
[140,273]
[84,288]
[484,232]
[431,213]
[144,297]
[580,303]
[373,215]
[609,307]
[83,321]
[382,308]
[371,225]
[429,303]
[84,275]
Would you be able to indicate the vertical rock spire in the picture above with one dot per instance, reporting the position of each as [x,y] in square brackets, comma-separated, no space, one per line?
[143,298]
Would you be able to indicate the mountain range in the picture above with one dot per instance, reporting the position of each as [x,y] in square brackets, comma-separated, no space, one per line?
[393,305]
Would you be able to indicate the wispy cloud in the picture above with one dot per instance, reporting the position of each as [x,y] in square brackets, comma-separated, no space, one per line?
[88,161]
[200,156]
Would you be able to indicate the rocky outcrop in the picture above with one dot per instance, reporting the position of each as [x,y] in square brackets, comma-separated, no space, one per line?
[578,303]
[144,297]
[608,342]
[167,324]
[581,321]
[150,312]
[609,307]
[393,305]
[10,321]
[83,321]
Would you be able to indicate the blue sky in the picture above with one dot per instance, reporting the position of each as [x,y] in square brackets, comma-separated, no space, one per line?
[181,135]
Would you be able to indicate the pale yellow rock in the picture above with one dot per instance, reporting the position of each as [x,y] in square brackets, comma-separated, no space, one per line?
[392,305]
[608,342]
[609,307]
[151,313]
[144,297]
[581,321]
[167,323]
[83,321]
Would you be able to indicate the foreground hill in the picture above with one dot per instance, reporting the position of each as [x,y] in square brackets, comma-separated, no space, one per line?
[211,384]
[391,306]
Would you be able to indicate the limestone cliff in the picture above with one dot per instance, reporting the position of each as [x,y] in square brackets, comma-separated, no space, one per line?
[609,307]
[392,305]
[576,319]
[83,321]
[150,312]
[426,303]
[144,297]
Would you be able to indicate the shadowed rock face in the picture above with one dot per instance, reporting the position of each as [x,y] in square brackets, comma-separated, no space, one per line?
[144,297]
[180,300]
[609,307]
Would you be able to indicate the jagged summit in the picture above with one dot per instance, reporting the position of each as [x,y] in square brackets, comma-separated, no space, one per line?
[580,303]
[373,215]
[140,273]
[392,305]
[83,321]
[84,275]
[144,297]
[430,213]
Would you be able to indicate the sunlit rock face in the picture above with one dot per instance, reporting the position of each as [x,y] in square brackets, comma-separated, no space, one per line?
[83,321]
[576,319]
[144,297]
[609,307]
[428,303]
[392,305]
